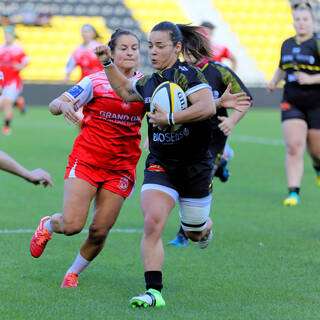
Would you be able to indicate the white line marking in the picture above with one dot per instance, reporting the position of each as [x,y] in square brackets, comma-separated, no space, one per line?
[6,231]
[258,140]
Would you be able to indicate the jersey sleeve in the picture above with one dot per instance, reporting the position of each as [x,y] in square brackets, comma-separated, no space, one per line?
[192,80]
[83,91]
[138,86]
[71,64]
[228,76]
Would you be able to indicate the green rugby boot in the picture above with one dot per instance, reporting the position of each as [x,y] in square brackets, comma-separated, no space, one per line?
[151,298]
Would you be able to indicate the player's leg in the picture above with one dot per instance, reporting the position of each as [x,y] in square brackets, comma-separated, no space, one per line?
[78,194]
[314,150]
[156,203]
[107,206]
[195,220]
[295,136]
[7,104]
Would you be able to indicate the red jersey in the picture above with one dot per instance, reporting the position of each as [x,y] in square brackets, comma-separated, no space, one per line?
[220,51]
[85,58]
[9,56]
[110,136]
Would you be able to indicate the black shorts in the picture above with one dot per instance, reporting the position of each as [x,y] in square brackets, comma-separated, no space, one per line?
[217,143]
[193,181]
[310,115]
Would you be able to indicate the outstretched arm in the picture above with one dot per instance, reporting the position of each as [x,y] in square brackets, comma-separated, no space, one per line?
[36,176]
[119,83]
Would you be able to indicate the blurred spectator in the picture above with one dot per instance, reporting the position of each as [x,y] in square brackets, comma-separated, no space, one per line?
[43,16]
[6,13]
[219,51]
[26,15]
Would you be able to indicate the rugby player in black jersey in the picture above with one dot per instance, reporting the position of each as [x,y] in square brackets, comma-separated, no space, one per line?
[179,166]
[222,80]
[300,108]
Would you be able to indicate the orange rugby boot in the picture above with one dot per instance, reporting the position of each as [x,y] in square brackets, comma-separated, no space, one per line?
[6,131]
[40,239]
[70,281]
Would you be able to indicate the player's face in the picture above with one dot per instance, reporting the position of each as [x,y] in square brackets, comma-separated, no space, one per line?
[87,35]
[9,37]
[303,22]
[162,53]
[126,52]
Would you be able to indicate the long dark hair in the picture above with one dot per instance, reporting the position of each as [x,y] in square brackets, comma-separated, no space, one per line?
[195,42]
[116,34]
[192,40]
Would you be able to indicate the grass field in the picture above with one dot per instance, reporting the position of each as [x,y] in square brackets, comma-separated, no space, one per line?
[264,261]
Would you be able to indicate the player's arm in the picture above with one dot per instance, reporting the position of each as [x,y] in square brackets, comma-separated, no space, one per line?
[277,77]
[305,78]
[119,83]
[234,62]
[22,64]
[36,176]
[71,64]
[202,107]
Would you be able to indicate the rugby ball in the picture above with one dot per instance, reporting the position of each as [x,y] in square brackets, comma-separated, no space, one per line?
[170,97]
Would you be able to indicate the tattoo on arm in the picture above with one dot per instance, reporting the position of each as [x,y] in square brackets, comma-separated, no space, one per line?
[130,92]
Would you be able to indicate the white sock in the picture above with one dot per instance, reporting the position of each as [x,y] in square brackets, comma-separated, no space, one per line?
[79,265]
[47,225]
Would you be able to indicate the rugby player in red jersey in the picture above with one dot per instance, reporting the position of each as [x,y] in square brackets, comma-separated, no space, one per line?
[102,164]
[83,56]
[12,60]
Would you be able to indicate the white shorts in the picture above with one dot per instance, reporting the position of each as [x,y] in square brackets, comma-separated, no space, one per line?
[10,92]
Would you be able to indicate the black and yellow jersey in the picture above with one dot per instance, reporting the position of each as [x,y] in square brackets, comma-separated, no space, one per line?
[305,57]
[219,76]
[189,144]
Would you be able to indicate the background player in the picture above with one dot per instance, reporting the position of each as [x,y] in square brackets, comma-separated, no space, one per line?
[300,107]
[83,56]
[12,60]
[102,164]
[221,79]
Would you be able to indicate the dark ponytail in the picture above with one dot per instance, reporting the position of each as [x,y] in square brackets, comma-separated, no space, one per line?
[116,34]
[195,42]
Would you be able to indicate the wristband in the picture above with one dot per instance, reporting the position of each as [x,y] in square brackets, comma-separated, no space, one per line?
[106,64]
[170,119]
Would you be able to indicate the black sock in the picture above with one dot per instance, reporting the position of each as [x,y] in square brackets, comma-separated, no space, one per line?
[294,189]
[317,168]
[181,230]
[7,123]
[153,280]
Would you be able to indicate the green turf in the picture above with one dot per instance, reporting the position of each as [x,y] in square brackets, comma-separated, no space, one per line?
[263,263]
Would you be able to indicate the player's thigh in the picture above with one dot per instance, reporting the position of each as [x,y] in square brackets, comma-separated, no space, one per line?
[77,197]
[295,134]
[107,206]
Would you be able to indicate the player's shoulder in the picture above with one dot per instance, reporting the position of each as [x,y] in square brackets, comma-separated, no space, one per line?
[289,41]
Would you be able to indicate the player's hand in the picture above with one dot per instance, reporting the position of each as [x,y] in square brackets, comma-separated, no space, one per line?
[226,125]
[158,117]
[271,86]
[303,78]
[235,101]
[103,53]
[69,111]
[39,176]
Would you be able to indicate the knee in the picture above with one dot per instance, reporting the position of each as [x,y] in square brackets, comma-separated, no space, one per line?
[295,149]
[97,234]
[194,235]
[71,228]
[151,224]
